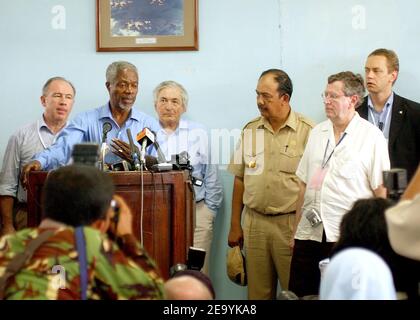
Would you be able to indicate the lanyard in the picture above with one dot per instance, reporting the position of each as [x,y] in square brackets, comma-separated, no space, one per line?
[324,163]
[40,135]
[380,124]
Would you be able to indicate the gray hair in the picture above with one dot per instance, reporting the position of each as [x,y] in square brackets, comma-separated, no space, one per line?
[175,85]
[353,84]
[117,66]
[50,80]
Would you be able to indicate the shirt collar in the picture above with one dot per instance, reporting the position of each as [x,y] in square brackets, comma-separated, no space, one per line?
[388,102]
[105,112]
[353,123]
[291,122]
[351,127]
[183,125]
[42,124]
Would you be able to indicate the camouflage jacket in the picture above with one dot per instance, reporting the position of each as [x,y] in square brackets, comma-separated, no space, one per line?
[122,271]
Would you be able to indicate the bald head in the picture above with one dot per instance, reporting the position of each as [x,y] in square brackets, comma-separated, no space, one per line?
[187,288]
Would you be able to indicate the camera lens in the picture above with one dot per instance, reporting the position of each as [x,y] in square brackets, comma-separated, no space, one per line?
[177,268]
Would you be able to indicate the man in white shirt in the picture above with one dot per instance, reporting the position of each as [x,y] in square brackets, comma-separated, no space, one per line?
[343,161]
[57,99]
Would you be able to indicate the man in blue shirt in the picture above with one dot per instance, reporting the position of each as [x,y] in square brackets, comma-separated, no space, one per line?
[176,135]
[122,84]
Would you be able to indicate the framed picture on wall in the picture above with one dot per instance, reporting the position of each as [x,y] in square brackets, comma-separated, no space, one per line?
[146,25]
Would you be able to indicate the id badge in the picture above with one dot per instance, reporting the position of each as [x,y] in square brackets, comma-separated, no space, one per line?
[317,178]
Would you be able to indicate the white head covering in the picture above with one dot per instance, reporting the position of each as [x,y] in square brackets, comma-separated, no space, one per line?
[357,274]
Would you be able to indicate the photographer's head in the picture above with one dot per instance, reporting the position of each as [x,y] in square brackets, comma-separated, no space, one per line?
[189,285]
[77,195]
[365,226]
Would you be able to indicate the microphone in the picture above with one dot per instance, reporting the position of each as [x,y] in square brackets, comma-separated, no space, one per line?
[164,166]
[160,155]
[134,154]
[107,127]
[145,138]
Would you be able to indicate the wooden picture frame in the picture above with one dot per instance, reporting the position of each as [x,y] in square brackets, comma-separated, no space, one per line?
[146,25]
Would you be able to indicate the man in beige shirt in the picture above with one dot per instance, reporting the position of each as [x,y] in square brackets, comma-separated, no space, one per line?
[266,187]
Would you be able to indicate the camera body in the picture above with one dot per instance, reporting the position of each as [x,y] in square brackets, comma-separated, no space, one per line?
[195,261]
[313,216]
[395,182]
[181,161]
[86,153]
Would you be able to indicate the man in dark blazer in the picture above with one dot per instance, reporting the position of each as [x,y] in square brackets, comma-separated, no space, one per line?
[397,117]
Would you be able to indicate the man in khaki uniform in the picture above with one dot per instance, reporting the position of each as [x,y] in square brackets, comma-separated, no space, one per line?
[266,187]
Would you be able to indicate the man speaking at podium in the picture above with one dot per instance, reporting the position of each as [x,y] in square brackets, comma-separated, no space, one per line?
[122,84]
[178,135]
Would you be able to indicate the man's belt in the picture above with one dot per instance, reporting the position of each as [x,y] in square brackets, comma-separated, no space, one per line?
[273,213]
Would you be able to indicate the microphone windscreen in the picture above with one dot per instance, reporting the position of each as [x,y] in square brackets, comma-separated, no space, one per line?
[150,161]
[145,134]
[107,127]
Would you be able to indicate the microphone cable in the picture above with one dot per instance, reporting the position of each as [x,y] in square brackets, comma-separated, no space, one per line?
[141,205]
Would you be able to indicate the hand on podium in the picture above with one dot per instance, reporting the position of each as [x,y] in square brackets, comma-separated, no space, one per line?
[24,176]
[122,149]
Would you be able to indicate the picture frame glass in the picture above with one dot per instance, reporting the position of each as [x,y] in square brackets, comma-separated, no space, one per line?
[147,25]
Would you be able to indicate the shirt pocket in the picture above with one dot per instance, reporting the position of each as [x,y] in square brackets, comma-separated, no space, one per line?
[254,162]
[288,161]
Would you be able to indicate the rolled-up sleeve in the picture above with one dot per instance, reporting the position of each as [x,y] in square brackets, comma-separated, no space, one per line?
[9,176]
[380,162]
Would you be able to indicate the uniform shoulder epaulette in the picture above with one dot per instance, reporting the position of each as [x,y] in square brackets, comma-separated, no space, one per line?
[306,120]
[252,121]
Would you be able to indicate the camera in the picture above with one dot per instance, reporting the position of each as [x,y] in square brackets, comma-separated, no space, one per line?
[195,261]
[313,217]
[395,182]
[181,161]
[85,153]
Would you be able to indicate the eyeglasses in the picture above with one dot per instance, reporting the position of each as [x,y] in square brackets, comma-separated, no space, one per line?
[331,96]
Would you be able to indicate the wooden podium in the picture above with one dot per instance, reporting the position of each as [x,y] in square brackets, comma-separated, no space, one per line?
[167,214]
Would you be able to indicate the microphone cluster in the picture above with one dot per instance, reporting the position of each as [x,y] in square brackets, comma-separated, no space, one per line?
[134,159]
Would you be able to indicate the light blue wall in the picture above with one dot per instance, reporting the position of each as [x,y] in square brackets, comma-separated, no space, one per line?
[238,39]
